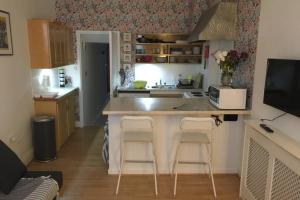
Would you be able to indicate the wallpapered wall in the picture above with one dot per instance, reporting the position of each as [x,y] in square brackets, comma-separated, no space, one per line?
[247,31]
[172,16]
[143,16]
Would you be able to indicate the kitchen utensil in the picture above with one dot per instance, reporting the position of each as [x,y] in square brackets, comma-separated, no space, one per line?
[122,75]
[206,55]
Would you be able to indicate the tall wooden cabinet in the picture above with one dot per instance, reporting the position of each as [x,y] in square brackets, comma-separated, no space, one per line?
[50,44]
[63,109]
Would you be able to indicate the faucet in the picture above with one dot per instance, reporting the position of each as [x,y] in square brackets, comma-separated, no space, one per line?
[160,84]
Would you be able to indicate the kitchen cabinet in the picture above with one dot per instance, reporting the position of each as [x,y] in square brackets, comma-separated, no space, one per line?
[63,109]
[50,44]
[167,48]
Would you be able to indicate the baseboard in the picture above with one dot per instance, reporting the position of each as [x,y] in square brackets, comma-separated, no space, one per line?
[78,124]
[27,157]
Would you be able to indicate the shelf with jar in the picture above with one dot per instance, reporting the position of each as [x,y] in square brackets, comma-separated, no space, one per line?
[167,48]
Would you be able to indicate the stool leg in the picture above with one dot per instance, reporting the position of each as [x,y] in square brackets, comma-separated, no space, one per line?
[175,158]
[154,167]
[120,168]
[175,168]
[211,173]
[175,181]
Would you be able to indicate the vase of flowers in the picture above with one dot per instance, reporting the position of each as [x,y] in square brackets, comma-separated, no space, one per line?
[228,61]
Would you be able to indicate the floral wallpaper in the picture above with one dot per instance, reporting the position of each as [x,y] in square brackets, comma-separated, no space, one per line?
[247,31]
[158,16]
[142,16]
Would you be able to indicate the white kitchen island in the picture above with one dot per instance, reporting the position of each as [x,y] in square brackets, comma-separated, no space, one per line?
[167,113]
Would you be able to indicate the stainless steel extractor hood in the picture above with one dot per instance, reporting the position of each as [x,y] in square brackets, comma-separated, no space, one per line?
[216,23]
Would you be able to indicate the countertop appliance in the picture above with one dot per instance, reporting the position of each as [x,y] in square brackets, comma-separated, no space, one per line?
[227,97]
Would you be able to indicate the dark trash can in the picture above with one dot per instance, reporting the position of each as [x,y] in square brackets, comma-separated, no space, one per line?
[44,142]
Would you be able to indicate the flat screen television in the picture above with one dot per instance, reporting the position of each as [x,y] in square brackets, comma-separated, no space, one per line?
[282,85]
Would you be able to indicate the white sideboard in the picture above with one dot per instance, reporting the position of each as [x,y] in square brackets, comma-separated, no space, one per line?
[271,165]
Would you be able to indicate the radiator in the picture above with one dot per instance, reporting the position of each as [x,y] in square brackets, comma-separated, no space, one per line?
[270,166]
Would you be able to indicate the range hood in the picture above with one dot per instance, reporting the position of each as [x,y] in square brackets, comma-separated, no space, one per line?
[216,23]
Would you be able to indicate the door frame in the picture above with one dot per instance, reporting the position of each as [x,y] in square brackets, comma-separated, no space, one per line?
[80,46]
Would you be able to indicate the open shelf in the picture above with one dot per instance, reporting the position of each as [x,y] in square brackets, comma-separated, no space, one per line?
[189,53]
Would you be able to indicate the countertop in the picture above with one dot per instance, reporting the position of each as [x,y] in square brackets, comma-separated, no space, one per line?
[164,106]
[62,92]
[130,89]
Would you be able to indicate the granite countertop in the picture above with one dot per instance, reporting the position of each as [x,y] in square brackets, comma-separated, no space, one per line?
[62,92]
[164,106]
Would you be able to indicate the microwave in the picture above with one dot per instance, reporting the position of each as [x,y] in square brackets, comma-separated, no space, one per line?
[224,97]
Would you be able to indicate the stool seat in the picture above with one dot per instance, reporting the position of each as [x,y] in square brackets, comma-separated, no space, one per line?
[134,136]
[194,138]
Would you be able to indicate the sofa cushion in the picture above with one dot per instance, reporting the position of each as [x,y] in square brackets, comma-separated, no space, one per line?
[11,168]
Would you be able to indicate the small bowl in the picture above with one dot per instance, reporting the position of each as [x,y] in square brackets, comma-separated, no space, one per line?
[139,84]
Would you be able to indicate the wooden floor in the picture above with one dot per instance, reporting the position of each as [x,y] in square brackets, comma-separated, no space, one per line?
[85,176]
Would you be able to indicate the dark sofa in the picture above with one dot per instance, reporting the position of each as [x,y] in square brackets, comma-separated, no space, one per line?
[12,170]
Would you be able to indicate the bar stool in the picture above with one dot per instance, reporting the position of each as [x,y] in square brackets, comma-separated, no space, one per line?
[195,131]
[137,129]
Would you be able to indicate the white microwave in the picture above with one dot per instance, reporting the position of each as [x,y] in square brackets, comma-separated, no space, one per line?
[227,97]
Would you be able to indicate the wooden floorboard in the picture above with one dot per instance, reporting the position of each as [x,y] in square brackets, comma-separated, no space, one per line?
[85,176]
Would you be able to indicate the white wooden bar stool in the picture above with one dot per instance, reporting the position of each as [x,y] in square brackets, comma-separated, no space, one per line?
[195,131]
[137,129]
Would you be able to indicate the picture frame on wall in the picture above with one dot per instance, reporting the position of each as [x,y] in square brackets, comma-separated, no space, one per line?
[127,37]
[127,47]
[127,57]
[6,47]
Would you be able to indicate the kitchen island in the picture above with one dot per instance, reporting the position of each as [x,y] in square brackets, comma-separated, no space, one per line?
[167,113]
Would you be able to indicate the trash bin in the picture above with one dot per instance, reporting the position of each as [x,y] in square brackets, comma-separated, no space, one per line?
[44,142]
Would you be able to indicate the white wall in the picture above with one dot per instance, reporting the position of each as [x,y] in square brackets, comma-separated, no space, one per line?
[15,78]
[278,37]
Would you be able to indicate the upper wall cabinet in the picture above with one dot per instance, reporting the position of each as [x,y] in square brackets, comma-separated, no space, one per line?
[50,44]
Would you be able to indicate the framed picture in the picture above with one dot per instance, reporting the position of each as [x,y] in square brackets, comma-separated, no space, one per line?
[127,47]
[127,37]
[127,57]
[6,47]
[126,66]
